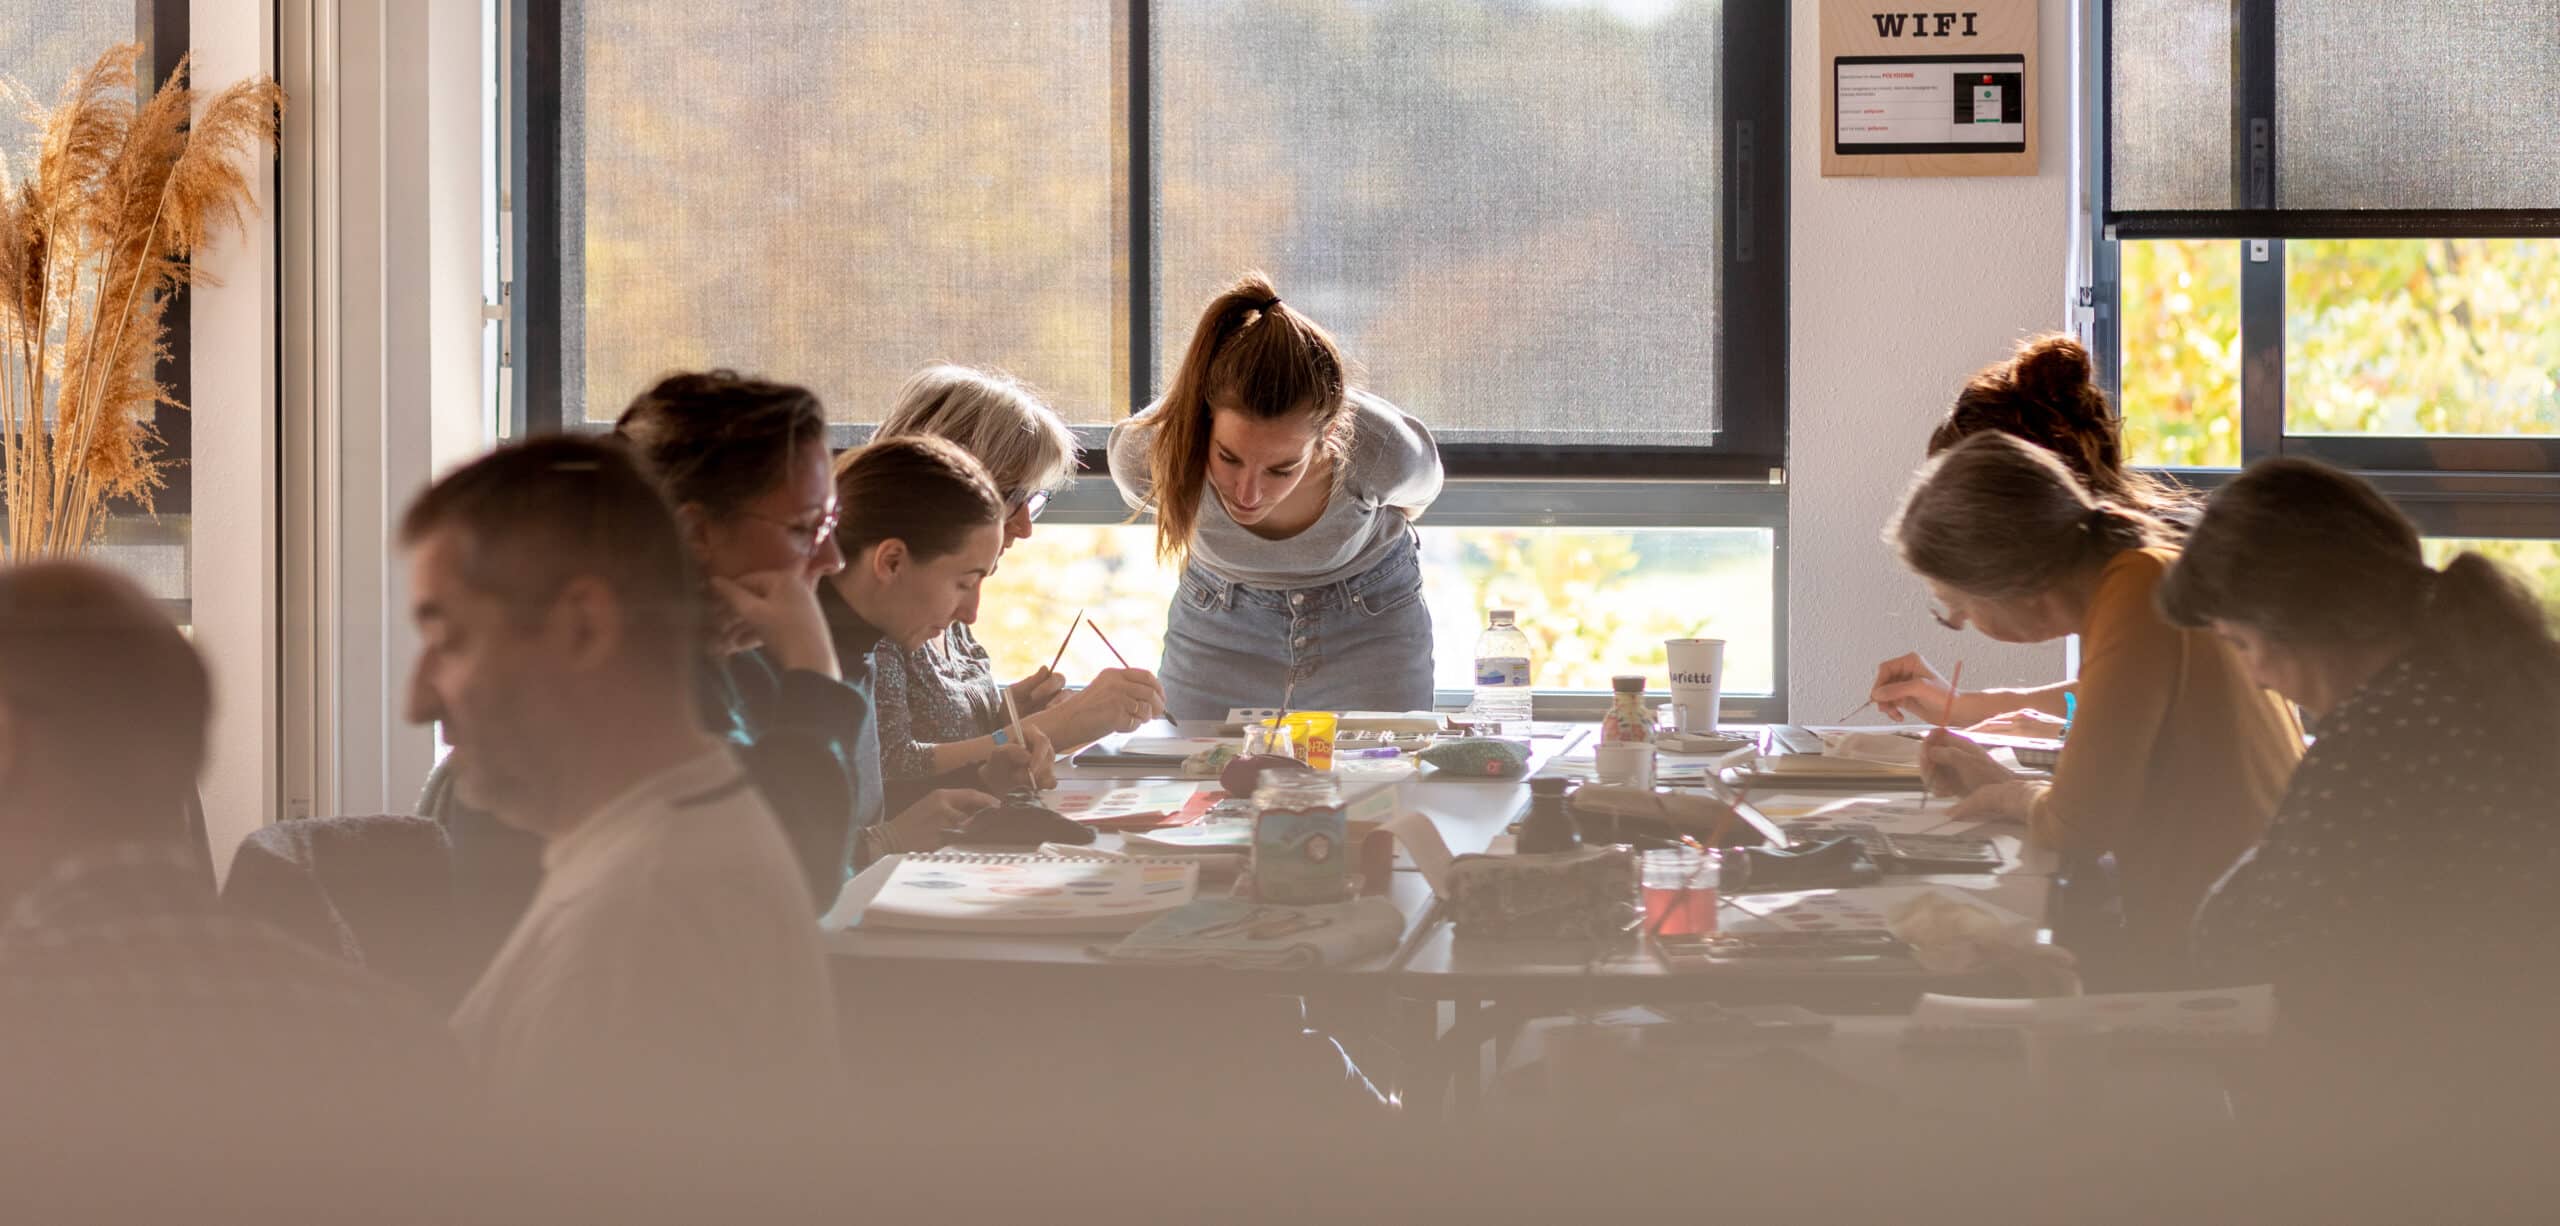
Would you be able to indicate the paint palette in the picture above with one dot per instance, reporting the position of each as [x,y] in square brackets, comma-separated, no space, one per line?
[1905,853]
[1815,911]
[1132,804]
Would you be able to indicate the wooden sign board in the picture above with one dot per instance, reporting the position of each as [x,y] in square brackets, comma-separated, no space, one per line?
[1928,87]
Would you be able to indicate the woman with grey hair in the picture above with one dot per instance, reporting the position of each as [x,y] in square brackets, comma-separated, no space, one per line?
[940,706]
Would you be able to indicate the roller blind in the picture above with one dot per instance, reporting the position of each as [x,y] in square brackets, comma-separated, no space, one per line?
[2324,118]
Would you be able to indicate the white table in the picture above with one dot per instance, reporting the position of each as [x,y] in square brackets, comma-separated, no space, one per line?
[1487,988]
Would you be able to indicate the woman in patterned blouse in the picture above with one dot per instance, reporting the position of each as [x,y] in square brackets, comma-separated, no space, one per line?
[2400,901]
[940,709]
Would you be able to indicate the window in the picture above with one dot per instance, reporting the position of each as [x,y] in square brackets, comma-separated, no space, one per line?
[2288,277]
[1533,225]
[1508,213]
[2181,355]
[2537,563]
[1594,602]
[42,43]
[842,193]
[2422,337]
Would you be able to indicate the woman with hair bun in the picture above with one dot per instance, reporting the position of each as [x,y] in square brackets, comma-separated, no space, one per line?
[2045,394]
[2177,756]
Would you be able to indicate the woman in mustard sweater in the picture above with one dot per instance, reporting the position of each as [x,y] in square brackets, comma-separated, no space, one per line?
[2176,758]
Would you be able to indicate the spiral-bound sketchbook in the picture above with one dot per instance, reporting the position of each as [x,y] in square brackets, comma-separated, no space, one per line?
[961,892]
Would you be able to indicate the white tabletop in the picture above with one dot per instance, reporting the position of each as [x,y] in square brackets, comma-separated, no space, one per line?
[1469,814]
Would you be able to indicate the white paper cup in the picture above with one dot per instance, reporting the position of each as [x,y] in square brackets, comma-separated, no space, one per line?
[1697,683]
[1624,764]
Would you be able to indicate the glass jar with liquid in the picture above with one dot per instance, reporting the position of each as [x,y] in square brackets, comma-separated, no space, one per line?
[1300,839]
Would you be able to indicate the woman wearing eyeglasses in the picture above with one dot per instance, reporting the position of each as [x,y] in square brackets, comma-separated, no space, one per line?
[941,706]
[2176,758]
[744,462]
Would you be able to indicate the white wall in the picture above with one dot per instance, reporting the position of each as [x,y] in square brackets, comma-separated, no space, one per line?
[1901,288]
[233,542]
[301,470]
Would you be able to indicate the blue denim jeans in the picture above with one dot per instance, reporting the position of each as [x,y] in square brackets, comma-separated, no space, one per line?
[1363,644]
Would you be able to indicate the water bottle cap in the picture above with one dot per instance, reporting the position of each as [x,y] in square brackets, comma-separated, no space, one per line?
[1627,683]
[1500,615]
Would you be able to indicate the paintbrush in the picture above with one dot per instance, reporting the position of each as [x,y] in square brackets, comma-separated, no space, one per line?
[1062,643]
[1946,716]
[1106,642]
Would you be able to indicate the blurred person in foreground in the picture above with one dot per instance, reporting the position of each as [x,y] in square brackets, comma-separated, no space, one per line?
[666,985]
[157,1054]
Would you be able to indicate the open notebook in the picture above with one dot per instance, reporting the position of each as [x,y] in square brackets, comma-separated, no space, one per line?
[962,892]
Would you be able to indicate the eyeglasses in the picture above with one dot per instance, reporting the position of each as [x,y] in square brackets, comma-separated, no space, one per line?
[1030,502]
[1945,615]
[810,537]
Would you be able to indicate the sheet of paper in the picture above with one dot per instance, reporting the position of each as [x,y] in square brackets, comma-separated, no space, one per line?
[1822,817]
[2206,1016]
[1423,845]
[1174,747]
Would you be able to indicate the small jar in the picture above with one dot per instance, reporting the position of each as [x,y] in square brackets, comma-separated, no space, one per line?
[1627,720]
[1549,827]
[1680,891]
[1300,839]
[1262,739]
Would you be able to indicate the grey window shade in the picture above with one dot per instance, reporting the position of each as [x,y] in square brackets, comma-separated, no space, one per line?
[43,42]
[2169,104]
[836,194]
[1507,213]
[1554,229]
[2380,118]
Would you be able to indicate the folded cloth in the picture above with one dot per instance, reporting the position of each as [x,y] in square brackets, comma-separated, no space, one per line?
[1491,759]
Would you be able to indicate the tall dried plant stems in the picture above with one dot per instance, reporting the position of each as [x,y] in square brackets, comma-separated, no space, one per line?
[121,196]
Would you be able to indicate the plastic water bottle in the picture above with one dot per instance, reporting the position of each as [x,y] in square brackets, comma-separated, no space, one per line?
[1502,675]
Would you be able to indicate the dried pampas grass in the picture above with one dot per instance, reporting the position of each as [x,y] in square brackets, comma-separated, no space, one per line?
[97,223]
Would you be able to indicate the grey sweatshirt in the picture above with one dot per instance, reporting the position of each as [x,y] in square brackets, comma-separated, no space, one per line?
[1394,464]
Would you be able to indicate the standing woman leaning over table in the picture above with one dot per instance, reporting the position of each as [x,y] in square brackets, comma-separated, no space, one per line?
[1290,498]
[2177,756]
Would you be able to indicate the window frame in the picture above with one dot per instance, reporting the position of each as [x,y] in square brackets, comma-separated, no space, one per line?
[1739,481]
[1564,503]
[2449,485]
[1752,233]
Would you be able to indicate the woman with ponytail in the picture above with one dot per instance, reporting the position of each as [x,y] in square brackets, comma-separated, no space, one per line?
[1289,497]
[2045,394]
[2176,757]
[2404,885]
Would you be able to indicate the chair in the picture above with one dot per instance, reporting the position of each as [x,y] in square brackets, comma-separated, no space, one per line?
[377,891]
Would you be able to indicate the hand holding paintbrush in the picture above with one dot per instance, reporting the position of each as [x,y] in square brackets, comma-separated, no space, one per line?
[1026,761]
[1035,692]
[1117,700]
